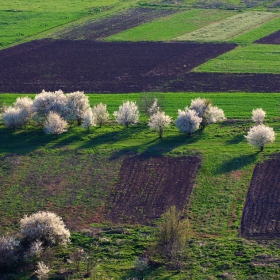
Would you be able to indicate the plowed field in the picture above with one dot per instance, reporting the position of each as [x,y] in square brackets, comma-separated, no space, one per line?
[99,67]
[273,38]
[147,186]
[102,28]
[261,215]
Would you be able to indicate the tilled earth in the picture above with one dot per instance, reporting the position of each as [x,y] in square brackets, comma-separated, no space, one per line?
[147,186]
[273,38]
[101,67]
[261,215]
[101,28]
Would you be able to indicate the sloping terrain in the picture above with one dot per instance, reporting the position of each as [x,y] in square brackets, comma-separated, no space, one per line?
[101,28]
[148,186]
[261,215]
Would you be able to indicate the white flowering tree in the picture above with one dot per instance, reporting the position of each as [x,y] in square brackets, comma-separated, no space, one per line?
[54,124]
[46,227]
[158,122]
[204,109]
[258,115]
[14,117]
[260,135]
[89,119]
[42,270]
[76,105]
[188,121]
[25,105]
[9,248]
[100,113]
[154,108]
[128,113]
[47,102]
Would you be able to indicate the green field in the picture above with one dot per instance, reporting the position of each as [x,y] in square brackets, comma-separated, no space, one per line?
[248,59]
[228,28]
[170,27]
[258,32]
[216,203]
[40,17]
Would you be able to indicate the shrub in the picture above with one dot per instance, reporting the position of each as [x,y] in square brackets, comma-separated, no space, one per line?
[128,113]
[154,108]
[260,135]
[14,117]
[158,121]
[46,227]
[42,270]
[9,247]
[100,113]
[25,104]
[188,121]
[54,124]
[258,115]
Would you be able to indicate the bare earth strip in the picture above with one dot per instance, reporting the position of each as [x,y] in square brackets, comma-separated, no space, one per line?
[228,28]
[261,215]
[97,29]
[273,38]
[99,67]
[148,186]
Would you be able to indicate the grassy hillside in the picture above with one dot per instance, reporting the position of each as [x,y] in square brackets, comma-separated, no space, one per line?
[35,170]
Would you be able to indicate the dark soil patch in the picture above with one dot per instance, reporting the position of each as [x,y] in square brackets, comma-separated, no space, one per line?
[221,82]
[100,67]
[98,29]
[261,215]
[273,38]
[148,186]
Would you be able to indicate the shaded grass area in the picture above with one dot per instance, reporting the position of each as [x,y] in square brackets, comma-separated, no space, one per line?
[255,58]
[170,27]
[228,28]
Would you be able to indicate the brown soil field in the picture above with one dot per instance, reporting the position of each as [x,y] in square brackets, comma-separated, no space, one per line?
[221,82]
[147,186]
[100,67]
[101,28]
[261,215]
[273,38]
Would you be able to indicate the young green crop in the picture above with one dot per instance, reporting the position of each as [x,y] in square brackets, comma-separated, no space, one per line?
[255,58]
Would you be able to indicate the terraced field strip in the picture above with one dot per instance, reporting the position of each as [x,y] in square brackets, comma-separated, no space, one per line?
[22,21]
[228,28]
[249,59]
[94,29]
[170,27]
[261,216]
[261,34]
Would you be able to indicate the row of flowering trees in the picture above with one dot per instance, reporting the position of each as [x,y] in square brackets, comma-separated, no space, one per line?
[55,110]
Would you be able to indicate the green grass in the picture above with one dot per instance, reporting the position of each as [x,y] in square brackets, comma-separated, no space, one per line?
[228,28]
[257,33]
[22,21]
[170,27]
[249,59]
[70,175]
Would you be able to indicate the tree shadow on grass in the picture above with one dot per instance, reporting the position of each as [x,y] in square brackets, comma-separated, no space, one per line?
[236,139]
[237,163]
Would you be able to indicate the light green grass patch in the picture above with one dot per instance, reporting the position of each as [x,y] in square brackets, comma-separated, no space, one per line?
[258,33]
[248,59]
[170,27]
[228,28]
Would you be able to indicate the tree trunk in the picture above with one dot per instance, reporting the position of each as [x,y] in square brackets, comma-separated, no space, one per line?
[261,148]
